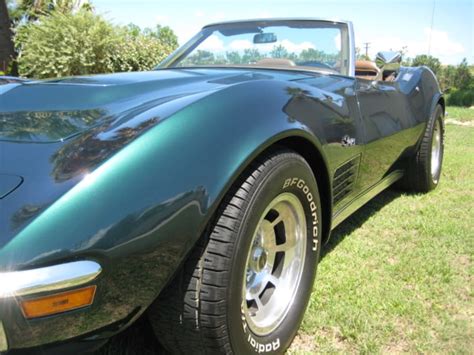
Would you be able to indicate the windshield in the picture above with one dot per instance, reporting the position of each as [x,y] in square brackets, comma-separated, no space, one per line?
[303,45]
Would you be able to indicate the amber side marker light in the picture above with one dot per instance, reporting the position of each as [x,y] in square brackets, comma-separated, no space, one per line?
[58,303]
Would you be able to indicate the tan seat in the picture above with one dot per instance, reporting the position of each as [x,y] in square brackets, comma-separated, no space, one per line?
[275,62]
[366,69]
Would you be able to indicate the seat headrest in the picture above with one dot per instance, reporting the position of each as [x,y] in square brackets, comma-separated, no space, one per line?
[366,65]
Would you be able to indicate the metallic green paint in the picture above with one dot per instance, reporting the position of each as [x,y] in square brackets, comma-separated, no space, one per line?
[135,189]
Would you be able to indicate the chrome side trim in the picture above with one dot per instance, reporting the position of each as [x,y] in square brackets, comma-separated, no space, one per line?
[50,278]
[365,197]
[3,339]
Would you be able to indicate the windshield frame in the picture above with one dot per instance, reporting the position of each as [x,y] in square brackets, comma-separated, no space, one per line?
[347,44]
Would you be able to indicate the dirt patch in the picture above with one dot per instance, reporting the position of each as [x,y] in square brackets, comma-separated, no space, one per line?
[303,343]
[459,123]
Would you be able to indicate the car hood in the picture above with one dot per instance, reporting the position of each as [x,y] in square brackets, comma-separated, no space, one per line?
[54,133]
[56,110]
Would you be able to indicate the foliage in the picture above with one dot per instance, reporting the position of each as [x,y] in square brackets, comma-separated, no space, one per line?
[279,52]
[164,34]
[463,77]
[310,54]
[137,50]
[167,36]
[233,57]
[360,55]
[80,43]
[253,55]
[32,10]
[461,97]
[427,60]
[66,44]
[201,57]
[457,81]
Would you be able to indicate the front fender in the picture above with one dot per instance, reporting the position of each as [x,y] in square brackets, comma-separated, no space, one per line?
[140,212]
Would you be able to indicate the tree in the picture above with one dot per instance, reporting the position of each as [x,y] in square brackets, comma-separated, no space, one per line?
[167,36]
[233,57]
[66,44]
[279,52]
[6,43]
[251,56]
[137,49]
[431,62]
[32,10]
[88,45]
[462,76]
[447,79]
[360,55]
[201,57]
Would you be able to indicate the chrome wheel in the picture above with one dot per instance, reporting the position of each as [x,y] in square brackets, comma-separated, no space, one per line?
[436,151]
[274,264]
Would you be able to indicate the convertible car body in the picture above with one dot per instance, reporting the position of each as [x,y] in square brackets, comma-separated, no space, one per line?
[108,182]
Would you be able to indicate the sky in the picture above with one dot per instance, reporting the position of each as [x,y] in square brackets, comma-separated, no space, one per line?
[442,28]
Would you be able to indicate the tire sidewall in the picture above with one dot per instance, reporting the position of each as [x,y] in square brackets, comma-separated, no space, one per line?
[290,176]
[436,118]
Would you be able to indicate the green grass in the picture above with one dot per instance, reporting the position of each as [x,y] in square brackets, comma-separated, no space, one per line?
[463,114]
[398,275]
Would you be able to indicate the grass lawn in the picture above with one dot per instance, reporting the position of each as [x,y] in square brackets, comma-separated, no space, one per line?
[396,277]
[463,114]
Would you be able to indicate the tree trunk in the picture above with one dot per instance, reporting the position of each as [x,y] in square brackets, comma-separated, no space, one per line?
[7,51]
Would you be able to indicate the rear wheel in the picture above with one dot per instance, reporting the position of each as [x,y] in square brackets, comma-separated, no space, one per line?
[424,170]
[246,285]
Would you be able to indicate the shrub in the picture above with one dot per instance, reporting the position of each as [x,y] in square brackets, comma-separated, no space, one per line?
[431,62]
[461,97]
[65,44]
[136,50]
[81,43]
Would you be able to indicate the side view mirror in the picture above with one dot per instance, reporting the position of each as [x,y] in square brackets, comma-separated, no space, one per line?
[388,61]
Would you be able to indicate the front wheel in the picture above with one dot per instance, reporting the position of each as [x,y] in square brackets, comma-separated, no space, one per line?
[246,286]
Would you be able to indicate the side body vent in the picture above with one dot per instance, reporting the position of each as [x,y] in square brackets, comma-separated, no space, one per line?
[344,179]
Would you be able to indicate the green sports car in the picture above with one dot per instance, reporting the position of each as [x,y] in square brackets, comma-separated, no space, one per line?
[199,194]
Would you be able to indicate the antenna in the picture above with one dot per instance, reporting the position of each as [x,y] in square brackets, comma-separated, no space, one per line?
[431,29]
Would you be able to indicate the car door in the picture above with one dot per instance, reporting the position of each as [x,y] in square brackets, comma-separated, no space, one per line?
[387,118]
[329,107]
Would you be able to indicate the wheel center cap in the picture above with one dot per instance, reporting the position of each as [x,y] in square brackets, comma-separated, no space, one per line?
[259,259]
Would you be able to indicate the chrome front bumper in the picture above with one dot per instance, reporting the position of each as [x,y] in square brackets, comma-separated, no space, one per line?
[50,278]
[46,279]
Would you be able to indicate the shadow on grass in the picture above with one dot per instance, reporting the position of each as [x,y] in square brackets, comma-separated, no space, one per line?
[357,219]
[139,337]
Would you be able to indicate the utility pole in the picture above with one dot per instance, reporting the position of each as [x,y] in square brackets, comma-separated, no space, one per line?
[367,45]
